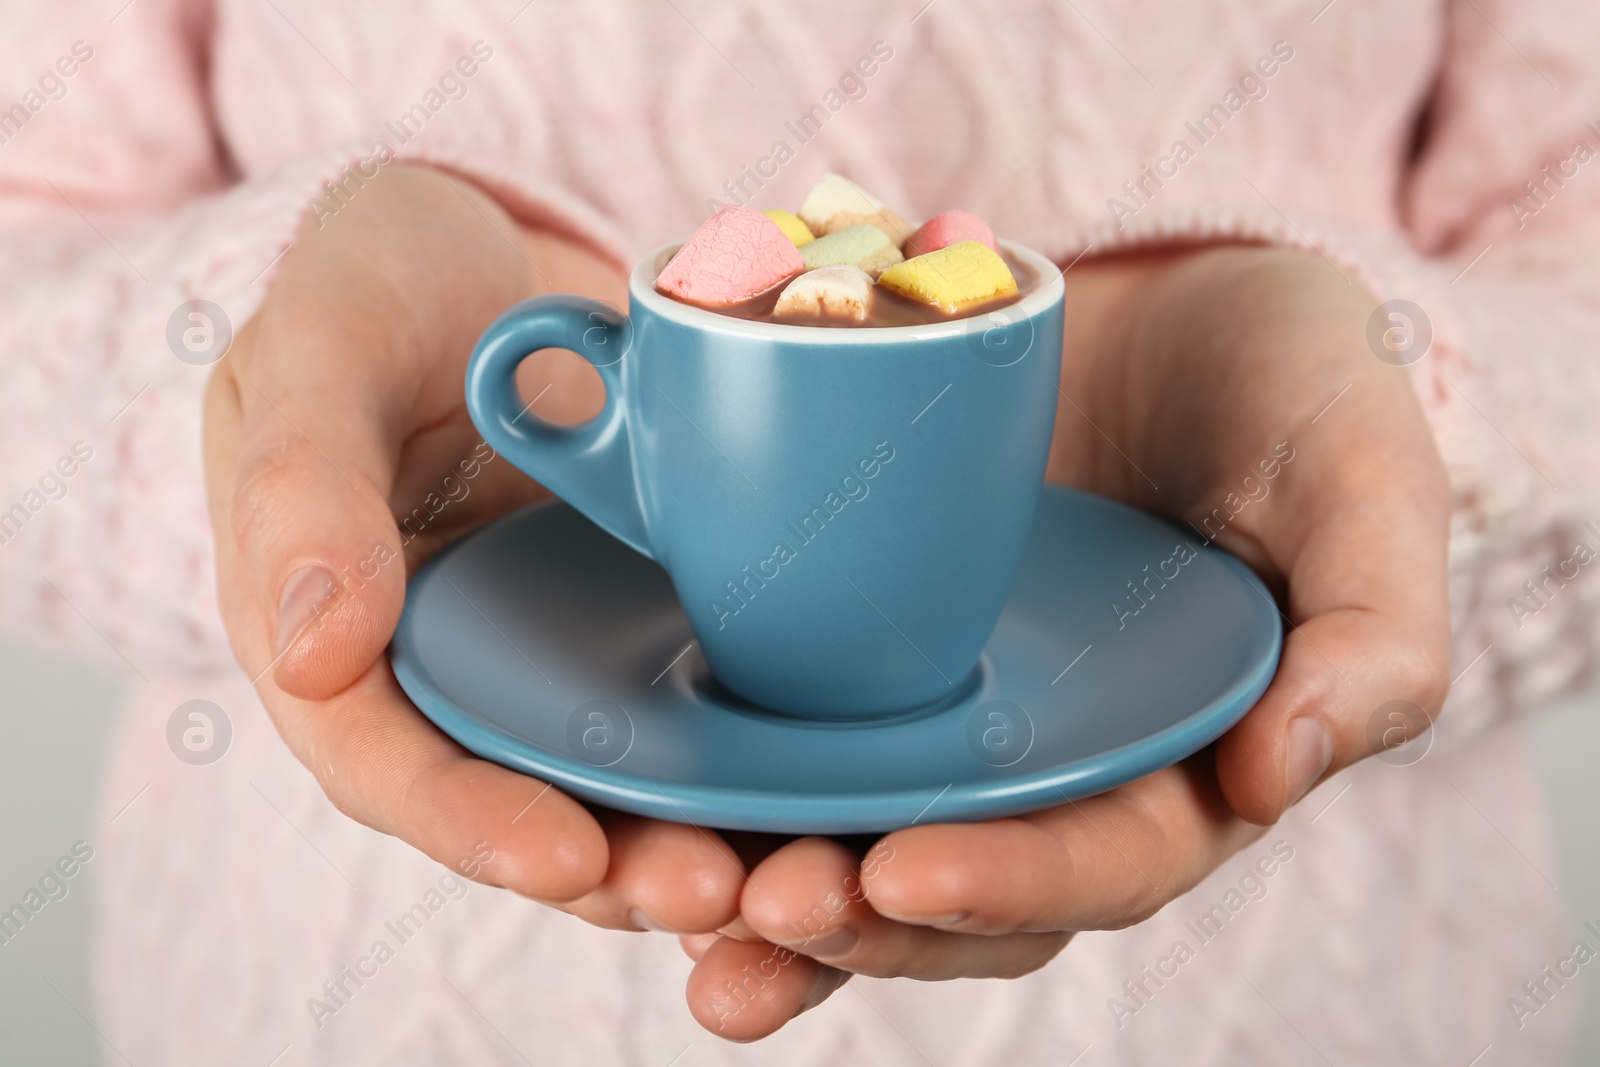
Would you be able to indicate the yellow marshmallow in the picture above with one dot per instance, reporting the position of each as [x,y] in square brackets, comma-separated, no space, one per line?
[952,278]
[792,227]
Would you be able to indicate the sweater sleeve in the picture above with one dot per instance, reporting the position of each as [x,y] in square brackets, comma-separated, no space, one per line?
[1498,217]
[117,208]
[1503,201]
[120,207]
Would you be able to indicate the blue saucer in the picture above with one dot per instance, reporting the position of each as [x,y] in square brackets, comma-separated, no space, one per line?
[545,645]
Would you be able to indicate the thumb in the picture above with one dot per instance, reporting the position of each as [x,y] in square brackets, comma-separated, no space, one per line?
[319,555]
[1363,541]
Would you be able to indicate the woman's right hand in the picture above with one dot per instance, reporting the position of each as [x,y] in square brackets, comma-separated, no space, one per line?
[338,409]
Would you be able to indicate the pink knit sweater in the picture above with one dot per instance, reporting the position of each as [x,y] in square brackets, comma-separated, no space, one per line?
[167,150]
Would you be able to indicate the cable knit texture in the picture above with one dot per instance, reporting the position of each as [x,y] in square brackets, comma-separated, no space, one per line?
[181,156]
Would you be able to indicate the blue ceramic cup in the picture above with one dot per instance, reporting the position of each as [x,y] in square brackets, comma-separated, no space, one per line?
[841,510]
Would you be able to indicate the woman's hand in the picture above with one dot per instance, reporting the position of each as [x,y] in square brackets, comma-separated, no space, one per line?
[337,413]
[1183,374]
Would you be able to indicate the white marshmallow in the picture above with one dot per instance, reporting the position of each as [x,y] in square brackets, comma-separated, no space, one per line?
[832,195]
[842,291]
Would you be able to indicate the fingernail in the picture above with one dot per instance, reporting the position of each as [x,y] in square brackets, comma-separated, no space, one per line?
[834,943]
[643,921]
[307,592]
[1310,751]
[927,920]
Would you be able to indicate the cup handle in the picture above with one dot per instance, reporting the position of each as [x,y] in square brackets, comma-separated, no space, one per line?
[589,465]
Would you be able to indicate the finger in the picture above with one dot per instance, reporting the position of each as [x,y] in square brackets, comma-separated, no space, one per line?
[1105,862]
[810,897]
[384,765]
[335,375]
[739,930]
[309,558]
[691,887]
[1362,537]
[662,876]
[374,754]
[694,945]
[320,551]
[743,991]
[751,847]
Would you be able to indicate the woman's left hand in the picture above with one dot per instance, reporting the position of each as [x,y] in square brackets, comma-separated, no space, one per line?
[1185,370]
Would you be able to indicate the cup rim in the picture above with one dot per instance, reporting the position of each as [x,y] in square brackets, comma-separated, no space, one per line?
[642,291]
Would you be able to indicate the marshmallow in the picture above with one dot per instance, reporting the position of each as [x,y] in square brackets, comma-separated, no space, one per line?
[792,227]
[953,278]
[946,228]
[833,194]
[862,245]
[840,290]
[734,255]
[836,202]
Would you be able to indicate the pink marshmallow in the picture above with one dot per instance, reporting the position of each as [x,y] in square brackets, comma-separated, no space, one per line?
[946,228]
[734,255]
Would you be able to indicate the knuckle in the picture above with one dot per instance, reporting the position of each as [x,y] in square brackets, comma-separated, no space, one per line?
[341,803]
[1423,676]
[1148,852]
[268,485]
[1144,906]
[336,789]
[329,759]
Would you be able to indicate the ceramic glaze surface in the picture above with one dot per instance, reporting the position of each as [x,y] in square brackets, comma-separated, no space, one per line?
[544,644]
[841,511]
